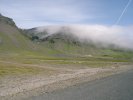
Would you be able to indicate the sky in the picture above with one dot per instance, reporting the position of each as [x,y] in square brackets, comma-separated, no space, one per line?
[34,13]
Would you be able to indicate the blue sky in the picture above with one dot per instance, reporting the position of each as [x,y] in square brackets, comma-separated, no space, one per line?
[33,13]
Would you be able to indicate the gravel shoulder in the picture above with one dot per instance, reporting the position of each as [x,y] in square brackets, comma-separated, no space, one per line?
[18,88]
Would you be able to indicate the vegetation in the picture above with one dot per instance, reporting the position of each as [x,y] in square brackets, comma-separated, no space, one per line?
[55,50]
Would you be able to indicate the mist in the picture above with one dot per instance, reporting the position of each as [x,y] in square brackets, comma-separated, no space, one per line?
[121,36]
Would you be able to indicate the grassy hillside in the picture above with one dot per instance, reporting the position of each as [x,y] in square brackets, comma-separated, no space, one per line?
[14,42]
[15,45]
[11,39]
[67,44]
[17,49]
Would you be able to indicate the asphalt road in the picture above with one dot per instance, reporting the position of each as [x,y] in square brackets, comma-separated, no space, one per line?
[116,87]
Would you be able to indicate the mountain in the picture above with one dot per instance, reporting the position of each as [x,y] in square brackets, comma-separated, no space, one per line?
[11,37]
[50,42]
[13,41]
[69,35]
[61,38]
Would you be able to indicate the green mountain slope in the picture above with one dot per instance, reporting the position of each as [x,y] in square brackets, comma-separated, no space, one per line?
[11,37]
[29,43]
[26,52]
[12,40]
[66,43]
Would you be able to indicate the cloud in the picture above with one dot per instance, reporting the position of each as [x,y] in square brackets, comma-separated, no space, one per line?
[119,35]
[33,13]
[26,13]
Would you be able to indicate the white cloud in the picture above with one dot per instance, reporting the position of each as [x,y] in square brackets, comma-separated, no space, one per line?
[118,35]
[46,11]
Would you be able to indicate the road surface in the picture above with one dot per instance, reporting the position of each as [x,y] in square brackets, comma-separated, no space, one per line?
[116,87]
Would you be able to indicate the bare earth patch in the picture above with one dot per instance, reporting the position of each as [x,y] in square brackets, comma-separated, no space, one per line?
[22,86]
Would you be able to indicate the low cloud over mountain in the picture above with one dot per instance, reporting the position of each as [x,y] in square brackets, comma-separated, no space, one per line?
[101,34]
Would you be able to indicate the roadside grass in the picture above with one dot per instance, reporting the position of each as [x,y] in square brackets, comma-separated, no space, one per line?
[12,69]
[39,58]
[36,58]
